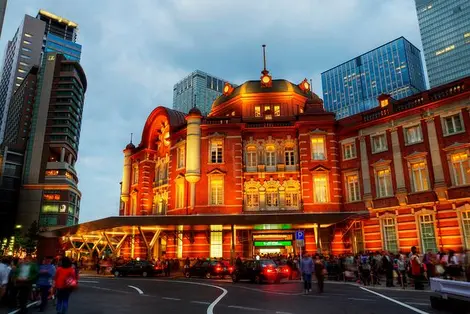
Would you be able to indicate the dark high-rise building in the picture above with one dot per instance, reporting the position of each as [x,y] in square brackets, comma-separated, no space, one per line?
[394,68]
[445,33]
[3,8]
[49,191]
[35,36]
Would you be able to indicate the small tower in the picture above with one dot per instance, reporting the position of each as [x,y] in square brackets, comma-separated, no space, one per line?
[126,176]
[193,152]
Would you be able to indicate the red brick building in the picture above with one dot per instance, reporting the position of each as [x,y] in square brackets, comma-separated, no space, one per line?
[389,178]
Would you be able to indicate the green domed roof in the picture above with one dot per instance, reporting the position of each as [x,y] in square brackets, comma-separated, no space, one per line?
[278,86]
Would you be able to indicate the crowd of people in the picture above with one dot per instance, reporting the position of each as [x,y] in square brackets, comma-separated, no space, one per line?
[25,280]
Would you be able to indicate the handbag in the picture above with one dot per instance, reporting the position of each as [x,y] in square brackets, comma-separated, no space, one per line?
[71,282]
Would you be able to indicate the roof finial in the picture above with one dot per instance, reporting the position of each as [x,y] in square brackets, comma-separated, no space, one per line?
[131,137]
[264,60]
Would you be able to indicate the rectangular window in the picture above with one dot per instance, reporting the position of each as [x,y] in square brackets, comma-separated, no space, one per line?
[318,147]
[277,111]
[252,197]
[25,49]
[389,233]
[26,42]
[354,193]
[217,150]
[272,198]
[384,183]
[251,157]
[453,124]
[419,176]
[217,191]
[379,143]
[466,228]
[413,134]
[180,157]
[257,111]
[289,157]
[349,151]
[292,199]
[270,156]
[135,175]
[460,168]
[179,195]
[320,185]
[428,237]
[216,241]
[28,35]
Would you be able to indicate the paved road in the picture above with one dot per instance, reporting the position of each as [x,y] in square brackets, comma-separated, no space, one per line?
[151,295]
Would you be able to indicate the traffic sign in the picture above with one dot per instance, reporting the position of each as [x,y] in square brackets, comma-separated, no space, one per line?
[300,243]
[299,235]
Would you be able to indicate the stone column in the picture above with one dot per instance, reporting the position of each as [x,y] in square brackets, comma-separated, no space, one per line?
[316,229]
[62,154]
[439,181]
[262,198]
[365,173]
[398,165]
[69,159]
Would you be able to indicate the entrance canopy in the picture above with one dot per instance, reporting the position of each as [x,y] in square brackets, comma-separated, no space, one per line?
[171,221]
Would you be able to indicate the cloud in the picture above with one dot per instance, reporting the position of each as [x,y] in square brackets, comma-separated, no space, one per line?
[135,51]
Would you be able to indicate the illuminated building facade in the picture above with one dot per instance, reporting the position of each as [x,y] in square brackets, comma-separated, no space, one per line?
[389,178]
[353,87]
[445,33]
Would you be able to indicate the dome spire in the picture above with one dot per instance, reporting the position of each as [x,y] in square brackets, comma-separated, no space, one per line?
[264,61]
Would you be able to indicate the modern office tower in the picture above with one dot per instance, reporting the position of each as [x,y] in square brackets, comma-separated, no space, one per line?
[3,8]
[61,35]
[198,89]
[49,189]
[21,53]
[445,33]
[394,68]
[35,36]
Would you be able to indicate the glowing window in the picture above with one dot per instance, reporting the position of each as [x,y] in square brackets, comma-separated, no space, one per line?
[320,188]
[216,241]
[384,182]
[419,176]
[353,191]
[389,234]
[318,147]
[257,111]
[460,168]
[216,191]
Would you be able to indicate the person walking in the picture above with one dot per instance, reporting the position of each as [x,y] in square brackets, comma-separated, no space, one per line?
[65,282]
[25,276]
[387,264]
[45,275]
[319,273]
[306,267]
[416,269]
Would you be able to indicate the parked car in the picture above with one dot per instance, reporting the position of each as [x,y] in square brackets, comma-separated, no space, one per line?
[259,271]
[209,269]
[136,268]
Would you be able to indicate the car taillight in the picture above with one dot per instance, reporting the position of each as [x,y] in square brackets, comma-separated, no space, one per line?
[270,270]
[230,269]
[218,269]
[285,270]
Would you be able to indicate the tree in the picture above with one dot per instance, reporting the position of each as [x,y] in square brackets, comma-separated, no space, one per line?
[28,240]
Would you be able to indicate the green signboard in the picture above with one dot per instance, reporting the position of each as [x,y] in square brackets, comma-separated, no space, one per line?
[273,243]
[273,227]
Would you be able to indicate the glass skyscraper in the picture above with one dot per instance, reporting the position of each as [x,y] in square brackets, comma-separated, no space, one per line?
[198,89]
[445,33]
[352,87]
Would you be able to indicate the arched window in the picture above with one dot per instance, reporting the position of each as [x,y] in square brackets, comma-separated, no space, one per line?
[252,198]
[289,156]
[135,174]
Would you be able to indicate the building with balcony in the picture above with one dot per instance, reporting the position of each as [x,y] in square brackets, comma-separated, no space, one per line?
[49,192]
[268,160]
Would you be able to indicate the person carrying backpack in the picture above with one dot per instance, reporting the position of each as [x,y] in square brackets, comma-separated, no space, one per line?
[65,282]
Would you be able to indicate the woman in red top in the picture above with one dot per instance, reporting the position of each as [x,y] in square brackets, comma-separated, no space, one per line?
[65,281]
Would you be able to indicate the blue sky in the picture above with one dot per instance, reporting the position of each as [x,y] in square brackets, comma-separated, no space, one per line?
[135,51]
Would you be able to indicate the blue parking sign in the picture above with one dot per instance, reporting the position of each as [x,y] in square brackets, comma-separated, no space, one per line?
[299,235]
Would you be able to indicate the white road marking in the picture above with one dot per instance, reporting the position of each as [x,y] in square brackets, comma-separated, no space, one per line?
[210,308]
[88,281]
[173,299]
[137,289]
[266,291]
[106,289]
[279,312]
[243,308]
[359,299]
[201,302]
[395,301]
[28,306]
[417,303]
